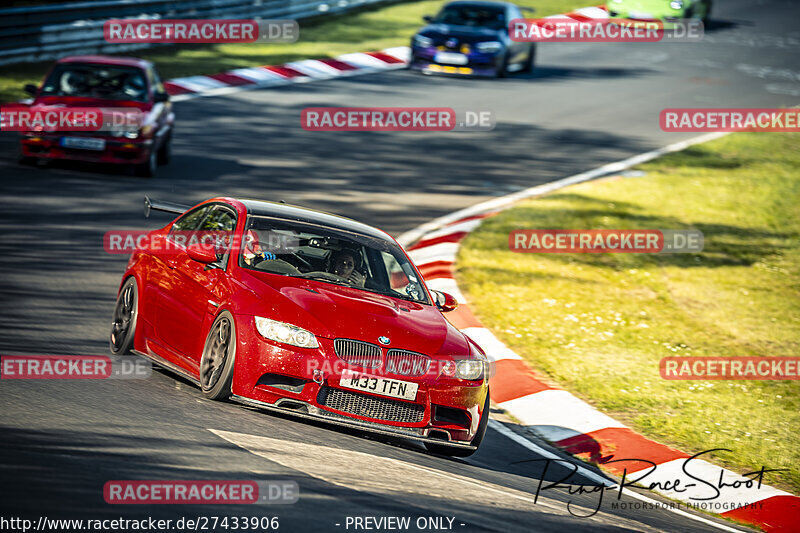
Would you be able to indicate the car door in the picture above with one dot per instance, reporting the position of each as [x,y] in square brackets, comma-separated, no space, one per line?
[190,292]
[517,51]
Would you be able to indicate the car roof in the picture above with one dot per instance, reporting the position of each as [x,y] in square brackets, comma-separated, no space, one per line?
[304,214]
[107,60]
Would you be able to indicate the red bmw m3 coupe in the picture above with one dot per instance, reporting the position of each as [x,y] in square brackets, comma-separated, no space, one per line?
[291,309]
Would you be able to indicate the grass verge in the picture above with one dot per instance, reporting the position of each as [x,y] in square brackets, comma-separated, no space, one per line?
[373,28]
[598,324]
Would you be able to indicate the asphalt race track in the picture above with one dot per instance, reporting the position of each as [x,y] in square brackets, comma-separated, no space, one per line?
[585,105]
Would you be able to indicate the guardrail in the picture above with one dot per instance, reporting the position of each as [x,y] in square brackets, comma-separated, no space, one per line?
[46,32]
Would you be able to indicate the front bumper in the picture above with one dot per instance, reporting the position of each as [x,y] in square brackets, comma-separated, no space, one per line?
[478,64]
[116,151]
[306,382]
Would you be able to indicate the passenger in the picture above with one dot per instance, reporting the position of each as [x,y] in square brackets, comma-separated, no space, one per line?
[344,264]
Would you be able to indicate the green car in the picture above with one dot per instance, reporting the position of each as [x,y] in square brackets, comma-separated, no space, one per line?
[666,10]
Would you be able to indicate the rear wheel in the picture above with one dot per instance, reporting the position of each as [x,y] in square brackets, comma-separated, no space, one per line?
[441,449]
[219,353]
[531,61]
[123,322]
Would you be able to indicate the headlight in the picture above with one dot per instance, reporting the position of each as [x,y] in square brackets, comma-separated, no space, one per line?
[489,47]
[422,41]
[676,4]
[132,134]
[469,368]
[285,333]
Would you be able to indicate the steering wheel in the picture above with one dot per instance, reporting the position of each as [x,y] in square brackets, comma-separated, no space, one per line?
[302,261]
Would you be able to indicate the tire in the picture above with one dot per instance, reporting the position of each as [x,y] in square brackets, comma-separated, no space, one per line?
[502,70]
[148,168]
[165,152]
[531,61]
[123,321]
[219,354]
[441,449]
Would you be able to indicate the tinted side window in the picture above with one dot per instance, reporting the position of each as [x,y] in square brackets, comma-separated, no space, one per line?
[191,221]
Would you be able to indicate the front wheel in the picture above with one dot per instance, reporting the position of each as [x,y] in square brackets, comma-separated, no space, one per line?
[219,353]
[530,62]
[148,168]
[502,70]
[441,449]
[123,322]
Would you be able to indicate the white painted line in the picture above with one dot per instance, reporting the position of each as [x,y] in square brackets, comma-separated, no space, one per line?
[362,60]
[314,68]
[503,202]
[490,344]
[258,75]
[403,53]
[547,454]
[445,251]
[555,407]
[199,83]
[592,12]
[466,226]
[447,285]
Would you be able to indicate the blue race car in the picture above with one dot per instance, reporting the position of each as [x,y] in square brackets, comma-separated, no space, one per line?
[471,37]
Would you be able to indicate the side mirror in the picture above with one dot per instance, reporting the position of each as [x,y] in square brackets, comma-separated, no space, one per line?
[160,98]
[201,254]
[444,302]
[31,89]
[428,18]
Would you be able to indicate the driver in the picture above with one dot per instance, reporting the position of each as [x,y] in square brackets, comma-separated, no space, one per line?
[344,263]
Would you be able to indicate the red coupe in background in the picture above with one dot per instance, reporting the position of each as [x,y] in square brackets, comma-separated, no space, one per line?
[104,82]
[287,308]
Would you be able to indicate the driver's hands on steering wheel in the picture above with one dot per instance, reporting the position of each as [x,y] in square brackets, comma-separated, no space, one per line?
[356,278]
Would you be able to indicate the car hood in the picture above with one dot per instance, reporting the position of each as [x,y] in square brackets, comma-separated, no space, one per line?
[72,101]
[652,7]
[464,34]
[333,311]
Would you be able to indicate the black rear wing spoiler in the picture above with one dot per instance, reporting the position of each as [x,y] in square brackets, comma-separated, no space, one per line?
[168,207]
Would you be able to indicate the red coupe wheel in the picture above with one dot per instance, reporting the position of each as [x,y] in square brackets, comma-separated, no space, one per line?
[216,364]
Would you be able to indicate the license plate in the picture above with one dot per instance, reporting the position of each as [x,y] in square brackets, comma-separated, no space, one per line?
[450,58]
[83,143]
[393,388]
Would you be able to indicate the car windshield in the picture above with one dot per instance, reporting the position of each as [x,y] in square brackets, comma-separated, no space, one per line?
[329,255]
[108,82]
[475,16]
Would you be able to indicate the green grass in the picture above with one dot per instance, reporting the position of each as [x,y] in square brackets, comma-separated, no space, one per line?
[373,28]
[598,324]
